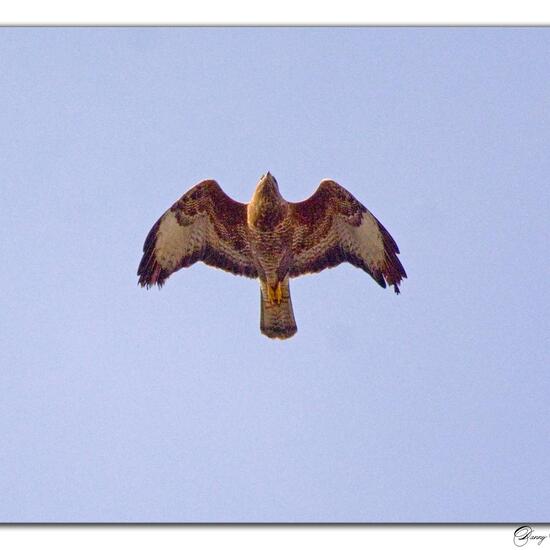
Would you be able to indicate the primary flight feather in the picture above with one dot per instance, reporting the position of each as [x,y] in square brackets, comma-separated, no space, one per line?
[270,239]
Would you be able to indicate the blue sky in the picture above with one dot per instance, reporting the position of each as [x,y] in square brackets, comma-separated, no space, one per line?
[121,404]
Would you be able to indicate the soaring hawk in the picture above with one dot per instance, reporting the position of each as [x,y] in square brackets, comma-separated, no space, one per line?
[270,239]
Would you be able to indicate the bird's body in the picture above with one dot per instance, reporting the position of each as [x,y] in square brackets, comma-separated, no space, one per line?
[270,239]
[271,233]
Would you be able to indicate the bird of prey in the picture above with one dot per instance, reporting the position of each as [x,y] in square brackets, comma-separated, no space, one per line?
[270,239]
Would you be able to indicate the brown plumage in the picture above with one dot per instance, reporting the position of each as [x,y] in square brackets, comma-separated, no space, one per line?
[270,239]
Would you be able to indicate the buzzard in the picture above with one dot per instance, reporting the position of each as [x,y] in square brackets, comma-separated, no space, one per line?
[270,239]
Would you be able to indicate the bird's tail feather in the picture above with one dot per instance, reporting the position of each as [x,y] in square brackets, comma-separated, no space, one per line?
[277,320]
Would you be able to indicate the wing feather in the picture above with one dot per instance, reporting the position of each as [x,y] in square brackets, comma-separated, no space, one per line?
[332,227]
[203,225]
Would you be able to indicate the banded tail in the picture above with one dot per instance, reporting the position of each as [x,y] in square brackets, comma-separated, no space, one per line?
[277,320]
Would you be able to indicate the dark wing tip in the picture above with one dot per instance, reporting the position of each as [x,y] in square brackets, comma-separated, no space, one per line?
[393,270]
[153,276]
[150,272]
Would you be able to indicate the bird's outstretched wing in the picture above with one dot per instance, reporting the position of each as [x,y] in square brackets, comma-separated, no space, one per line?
[332,227]
[204,225]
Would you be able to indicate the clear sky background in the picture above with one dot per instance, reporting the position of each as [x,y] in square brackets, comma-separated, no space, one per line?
[121,404]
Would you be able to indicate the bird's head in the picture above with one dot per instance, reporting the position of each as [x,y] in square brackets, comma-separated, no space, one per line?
[267,188]
[267,206]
